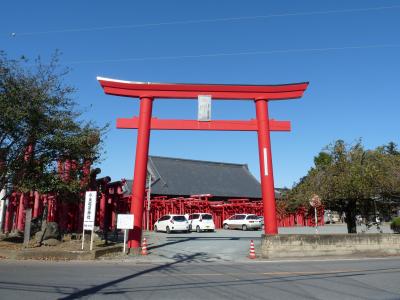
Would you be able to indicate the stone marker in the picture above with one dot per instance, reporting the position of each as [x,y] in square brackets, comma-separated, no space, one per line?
[27,231]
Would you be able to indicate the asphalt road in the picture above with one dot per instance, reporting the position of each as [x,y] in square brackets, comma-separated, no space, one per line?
[223,245]
[185,278]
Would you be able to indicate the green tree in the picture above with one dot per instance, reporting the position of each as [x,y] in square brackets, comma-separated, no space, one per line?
[39,125]
[351,177]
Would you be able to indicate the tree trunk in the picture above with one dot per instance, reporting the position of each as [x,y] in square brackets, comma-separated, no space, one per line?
[350,210]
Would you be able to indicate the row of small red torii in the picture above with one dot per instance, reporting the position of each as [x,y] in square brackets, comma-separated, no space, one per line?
[147,92]
[69,215]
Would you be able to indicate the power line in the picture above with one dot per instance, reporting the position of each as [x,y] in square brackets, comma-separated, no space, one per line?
[199,21]
[232,54]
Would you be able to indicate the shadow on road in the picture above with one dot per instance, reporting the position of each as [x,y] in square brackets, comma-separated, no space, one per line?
[261,279]
[231,283]
[97,288]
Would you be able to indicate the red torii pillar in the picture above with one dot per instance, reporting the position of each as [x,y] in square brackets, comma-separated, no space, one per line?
[261,94]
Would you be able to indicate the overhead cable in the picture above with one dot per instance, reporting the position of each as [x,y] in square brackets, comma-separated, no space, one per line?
[199,21]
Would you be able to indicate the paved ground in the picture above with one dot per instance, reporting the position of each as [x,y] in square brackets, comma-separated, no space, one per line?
[223,245]
[186,279]
[204,266]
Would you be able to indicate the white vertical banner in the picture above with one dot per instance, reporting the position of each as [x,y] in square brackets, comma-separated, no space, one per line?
[148,202]
[89,215]
[90,211]
[265,162]
[2,207]
[204,108]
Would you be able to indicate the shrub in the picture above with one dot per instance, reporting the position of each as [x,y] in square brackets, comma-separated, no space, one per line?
[395,225]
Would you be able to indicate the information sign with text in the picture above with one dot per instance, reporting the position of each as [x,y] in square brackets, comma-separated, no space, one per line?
[125,221]
[90,210]
[204,108]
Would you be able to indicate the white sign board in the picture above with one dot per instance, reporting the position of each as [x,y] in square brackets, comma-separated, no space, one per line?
[2,211]
[2,206]
[90,210]
[204,108]
[125,221]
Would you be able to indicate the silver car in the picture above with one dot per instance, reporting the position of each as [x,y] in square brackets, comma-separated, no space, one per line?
[243,221]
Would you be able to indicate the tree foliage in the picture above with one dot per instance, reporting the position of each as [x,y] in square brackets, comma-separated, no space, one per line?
[350,176]
[39,125]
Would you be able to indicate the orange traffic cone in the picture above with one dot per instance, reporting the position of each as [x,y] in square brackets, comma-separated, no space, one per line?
[144,246]
[252,254]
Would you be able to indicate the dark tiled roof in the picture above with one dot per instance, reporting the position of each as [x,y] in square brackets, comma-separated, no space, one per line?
[183,177]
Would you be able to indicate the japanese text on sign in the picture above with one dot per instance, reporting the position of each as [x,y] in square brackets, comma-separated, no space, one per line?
[204,108]
[90,210]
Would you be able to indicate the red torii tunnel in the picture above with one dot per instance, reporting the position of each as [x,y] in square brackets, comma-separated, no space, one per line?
[147,92]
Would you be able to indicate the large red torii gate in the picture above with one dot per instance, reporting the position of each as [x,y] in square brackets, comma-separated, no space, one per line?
[147,91]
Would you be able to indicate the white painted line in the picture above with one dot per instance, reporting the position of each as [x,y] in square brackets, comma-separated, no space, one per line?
[321,260]
[265,162]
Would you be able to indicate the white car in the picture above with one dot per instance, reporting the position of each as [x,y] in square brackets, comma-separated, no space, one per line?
[170,223]
[331,217]
[242,221]
[201,222]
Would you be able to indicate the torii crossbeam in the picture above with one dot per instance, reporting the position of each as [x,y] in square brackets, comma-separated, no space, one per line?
[220,125]
[260,94]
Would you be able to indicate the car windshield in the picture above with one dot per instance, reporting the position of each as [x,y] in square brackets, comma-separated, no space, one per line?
[207,217]
[179,218]
[252,217]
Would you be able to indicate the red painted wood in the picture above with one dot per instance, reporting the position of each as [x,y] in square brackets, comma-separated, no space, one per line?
[221,125]
[266,173]
[36,205]
[21,213]
[194,95]
[139,182]
[192,91]
[203,87]
[261,94]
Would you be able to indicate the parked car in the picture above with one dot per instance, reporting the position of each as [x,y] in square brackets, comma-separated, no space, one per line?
[331,217]
[170,223]
[262,221]
[201,222]
[242,221]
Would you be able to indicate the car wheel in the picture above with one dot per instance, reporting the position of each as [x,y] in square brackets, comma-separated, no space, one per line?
[226,226]
[244,227]
[198,229]
[168,229]
[155,229]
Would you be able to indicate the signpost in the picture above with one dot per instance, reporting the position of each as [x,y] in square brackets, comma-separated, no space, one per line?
[89,216]
[315,202]
[125,222]
[204,109]
[2,207]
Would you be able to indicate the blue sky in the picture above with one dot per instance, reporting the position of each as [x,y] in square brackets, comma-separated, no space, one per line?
[347,50]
